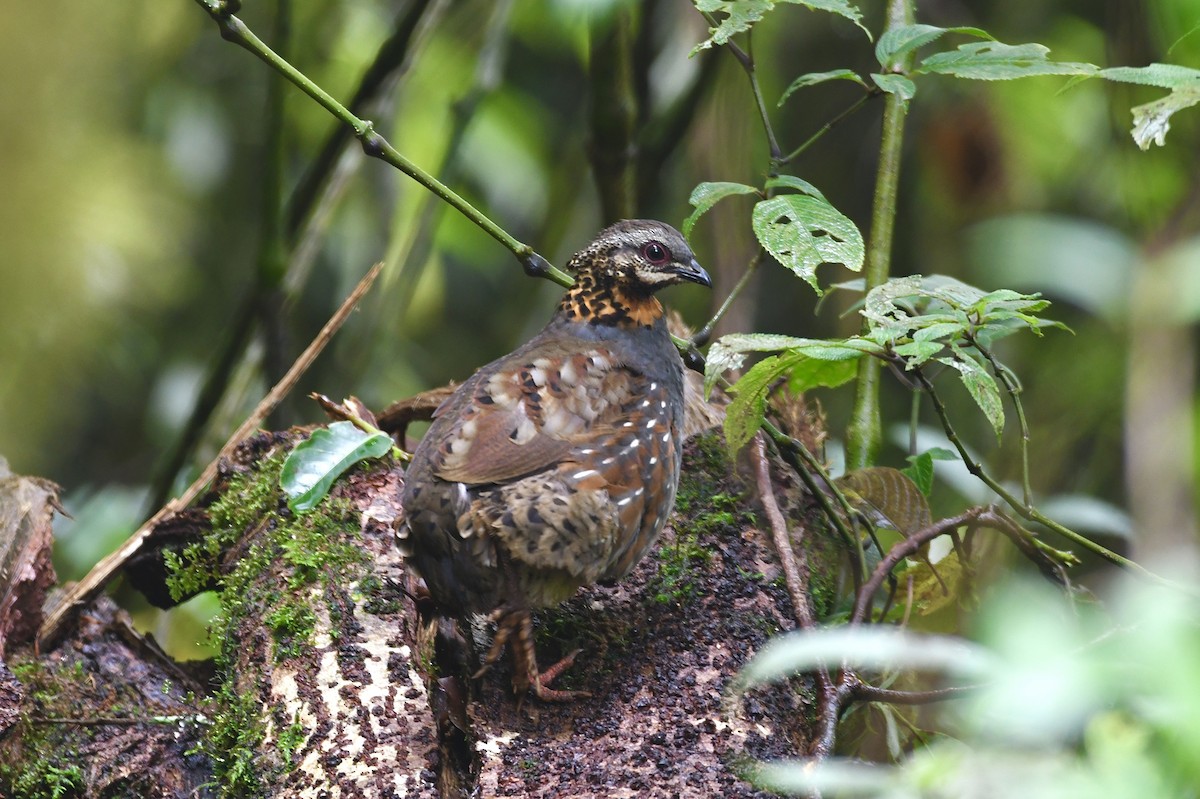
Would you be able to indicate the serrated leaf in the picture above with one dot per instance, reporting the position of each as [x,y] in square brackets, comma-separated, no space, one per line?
[803,232]
[1151,121]
[814,78]
[982,388]
[744,416]
[706,195]
[842,8]
[898,85]
[998,61]
[792,182]
[310,468]
[916,353]
[895,45]
[937,330]
[810,373]
[1164,76]
[729,352]
[742,14]
[888,497]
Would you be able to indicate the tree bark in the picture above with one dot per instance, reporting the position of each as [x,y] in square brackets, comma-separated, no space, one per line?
[334,681]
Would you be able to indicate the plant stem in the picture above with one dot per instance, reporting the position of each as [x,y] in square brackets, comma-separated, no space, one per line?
[863,436]
[373,144]
[811,140]
[1024,510]
[705,333]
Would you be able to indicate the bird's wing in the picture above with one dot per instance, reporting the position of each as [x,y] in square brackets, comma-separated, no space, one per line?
[530,410]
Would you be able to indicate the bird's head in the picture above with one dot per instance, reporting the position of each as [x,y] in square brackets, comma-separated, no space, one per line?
[617,274]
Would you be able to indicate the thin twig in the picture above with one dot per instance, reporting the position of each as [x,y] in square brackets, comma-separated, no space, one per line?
[705,333]
[1026,511]
[375,145]
[902,550]
[794,575]
[828,126]
[862,692]
[100,575]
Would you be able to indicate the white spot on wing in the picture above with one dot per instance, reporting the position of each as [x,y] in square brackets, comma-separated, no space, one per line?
[583,474]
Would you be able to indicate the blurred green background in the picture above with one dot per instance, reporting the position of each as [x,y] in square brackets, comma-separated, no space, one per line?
[137,161]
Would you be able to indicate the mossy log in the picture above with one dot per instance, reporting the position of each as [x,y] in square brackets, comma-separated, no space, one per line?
[330,682]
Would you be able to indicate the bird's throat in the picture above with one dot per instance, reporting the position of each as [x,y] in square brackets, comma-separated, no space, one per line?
[594,302]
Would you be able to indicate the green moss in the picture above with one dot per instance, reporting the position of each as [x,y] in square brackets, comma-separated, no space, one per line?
[677,563]
[290,739]
[40,779]
[286,566]
[233,737]
[40,774]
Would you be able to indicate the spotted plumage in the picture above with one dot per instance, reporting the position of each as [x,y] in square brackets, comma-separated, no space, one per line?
[556,466]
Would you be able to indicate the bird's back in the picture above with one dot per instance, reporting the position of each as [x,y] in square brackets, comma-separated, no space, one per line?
[550,468]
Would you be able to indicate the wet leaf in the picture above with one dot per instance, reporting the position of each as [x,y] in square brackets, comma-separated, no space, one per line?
[983,389]
[706,195]
[802,232]
[310,468]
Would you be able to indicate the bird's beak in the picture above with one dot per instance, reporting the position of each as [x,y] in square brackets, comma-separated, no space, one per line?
[693,272]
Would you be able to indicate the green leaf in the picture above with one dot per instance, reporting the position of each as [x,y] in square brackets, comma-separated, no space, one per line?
[920,467]
[898,85]
[813,78]
[872,648]
[315,463]
[744,416]
[982,388]
[998,61]
[706,195]
[916,352]
[729,352]
[792,182]
[810,373]
[895,45]
[740,16]
[842,8]
[803,232]
[1151,121]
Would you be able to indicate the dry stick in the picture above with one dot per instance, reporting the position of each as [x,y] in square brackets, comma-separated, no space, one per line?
[100,575]
[909,546]
[797,583]
[797,580]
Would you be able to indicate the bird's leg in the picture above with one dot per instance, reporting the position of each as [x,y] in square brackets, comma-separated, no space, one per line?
[516,626]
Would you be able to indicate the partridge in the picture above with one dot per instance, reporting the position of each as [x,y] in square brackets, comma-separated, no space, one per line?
[556,466]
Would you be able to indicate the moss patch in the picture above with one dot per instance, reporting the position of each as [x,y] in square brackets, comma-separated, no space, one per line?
[265,560]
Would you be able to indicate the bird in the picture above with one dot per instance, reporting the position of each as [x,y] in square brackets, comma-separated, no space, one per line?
[556,466]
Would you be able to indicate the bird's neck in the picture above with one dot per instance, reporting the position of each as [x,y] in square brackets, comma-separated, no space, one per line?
[594,300]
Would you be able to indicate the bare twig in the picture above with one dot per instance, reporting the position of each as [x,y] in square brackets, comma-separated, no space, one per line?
[795,574]
[902,550]
[100,575]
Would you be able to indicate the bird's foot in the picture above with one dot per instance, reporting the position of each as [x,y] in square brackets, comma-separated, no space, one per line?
[526,675]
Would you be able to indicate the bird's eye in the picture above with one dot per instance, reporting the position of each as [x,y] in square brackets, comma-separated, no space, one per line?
[656,253]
